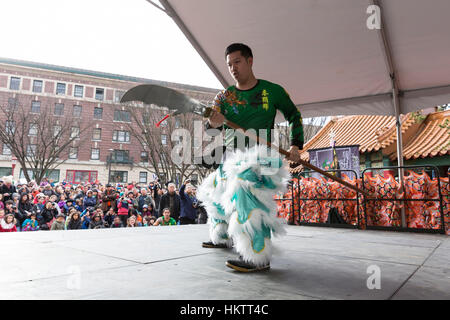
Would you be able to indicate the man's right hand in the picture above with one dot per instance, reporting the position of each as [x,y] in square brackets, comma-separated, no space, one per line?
[216,119]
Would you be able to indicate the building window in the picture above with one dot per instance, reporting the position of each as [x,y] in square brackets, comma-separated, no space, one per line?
[97,134]
[12,103]
[73,153]
[78,176]
[77,111]
[121,155]
[121,136]
[98,113]
[60,88]
[6,150]
[75,132]
[14,83]
[31,150]
[177,123]
[144,156]
[142,177]
[95,154]
[33,129]
[78,91]
[99,92]
[5,171]
[164,139]
[59,109]
[118,177]
[121,115]
[10,127]
[37,86]
[118,94]
[52,175]
[35,107]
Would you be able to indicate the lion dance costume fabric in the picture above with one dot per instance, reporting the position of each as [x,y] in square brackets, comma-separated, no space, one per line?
[238,197]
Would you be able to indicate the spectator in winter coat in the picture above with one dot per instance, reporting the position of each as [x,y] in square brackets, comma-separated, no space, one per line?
[7,224]
[48,214]
[2,204]
[132,222]
[25,206]
[74,220]
[188,211]
[59,223]
[48,191]
[31,224]
[117,222]
[39,206]
[109,198]
[172,201]
[157,194]
[86,220]
[7,189]
[89,200]
[79,204]
[68,205]
[146,212]
[123,206]
[11,208]
[109,217]
[145,199]
[97,222]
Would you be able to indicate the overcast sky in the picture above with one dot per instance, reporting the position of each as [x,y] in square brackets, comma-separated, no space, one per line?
[128,37]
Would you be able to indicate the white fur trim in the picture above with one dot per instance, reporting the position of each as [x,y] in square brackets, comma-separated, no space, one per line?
[216,231]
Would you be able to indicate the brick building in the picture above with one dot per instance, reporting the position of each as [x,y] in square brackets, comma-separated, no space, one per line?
[86,96]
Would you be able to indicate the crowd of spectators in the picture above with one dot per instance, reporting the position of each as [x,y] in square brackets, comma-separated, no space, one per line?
[62,206]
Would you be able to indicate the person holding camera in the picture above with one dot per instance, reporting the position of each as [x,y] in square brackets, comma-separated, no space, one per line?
[123,207]
[49,213]
[109,217]
[7,189]
[11,208]
[189,203]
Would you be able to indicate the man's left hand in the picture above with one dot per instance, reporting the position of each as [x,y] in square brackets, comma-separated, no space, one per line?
[294,154]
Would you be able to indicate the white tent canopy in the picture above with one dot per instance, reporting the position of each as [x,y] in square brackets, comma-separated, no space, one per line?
[323,53]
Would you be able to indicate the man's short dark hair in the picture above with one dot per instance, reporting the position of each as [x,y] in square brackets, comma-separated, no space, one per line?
[244,49]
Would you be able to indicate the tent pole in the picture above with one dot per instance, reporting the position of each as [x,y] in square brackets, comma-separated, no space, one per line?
[389,60]
[398,125]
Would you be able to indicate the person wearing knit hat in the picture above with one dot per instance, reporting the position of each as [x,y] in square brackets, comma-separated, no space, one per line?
[59,223]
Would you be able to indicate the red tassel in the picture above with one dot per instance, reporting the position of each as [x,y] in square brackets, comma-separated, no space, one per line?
[159,122]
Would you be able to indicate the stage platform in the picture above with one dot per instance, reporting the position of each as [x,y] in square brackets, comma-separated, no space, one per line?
[169,263]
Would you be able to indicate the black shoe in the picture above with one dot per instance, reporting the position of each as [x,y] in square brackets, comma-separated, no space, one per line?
[210,244]
[242,266]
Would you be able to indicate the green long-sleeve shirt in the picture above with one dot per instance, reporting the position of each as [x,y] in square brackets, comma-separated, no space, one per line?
[256,109]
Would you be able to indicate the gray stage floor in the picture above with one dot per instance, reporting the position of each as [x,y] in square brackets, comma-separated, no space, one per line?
[169,263]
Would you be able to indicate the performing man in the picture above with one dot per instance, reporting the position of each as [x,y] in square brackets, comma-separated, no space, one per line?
[238,195]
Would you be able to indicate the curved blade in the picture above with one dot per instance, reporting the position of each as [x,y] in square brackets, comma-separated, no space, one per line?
[163,97]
